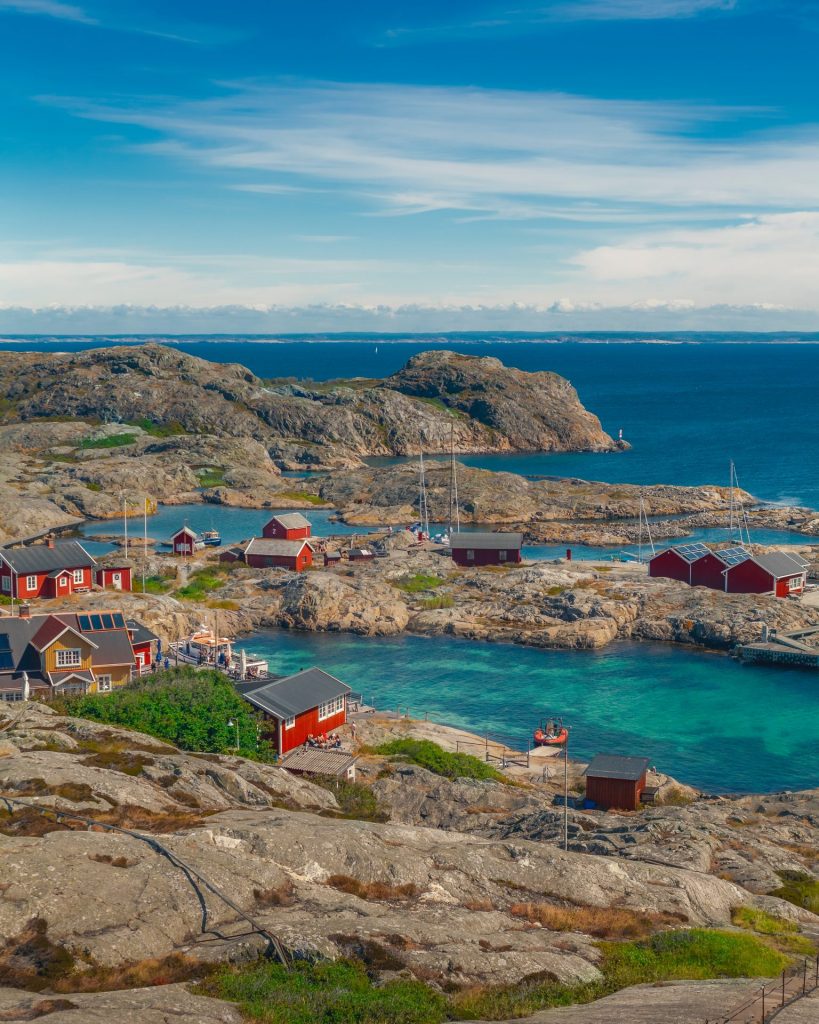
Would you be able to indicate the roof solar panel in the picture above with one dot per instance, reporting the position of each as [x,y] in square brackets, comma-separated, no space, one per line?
[691,552]
[119,621]
[84,622]
[733,556]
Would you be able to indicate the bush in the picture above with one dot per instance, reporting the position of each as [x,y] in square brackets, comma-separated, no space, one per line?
[154,584]
[158,429]
[419,582]
[339,992]
[111,441]
[439,601]
[185,707]
[305,496]
[202,582]
[435,759]
[799,888]
[355,800]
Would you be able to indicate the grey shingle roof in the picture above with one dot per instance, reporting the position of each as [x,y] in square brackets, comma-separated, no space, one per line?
[484,541]
[263,546]
[292,521]
[296,694]
[140,634]
[68,554]
[617,766]
[781,563]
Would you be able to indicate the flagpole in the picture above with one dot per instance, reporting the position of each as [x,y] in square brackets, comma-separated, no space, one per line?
[125,522]
[144,541]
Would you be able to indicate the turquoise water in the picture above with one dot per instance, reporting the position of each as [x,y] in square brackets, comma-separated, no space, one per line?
[705,718]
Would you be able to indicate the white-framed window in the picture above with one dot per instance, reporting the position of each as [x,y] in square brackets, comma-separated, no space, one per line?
[289,723]
[79,577]
[470,555]
[795,583]
[103,684]
[501,556]
[12,695]
[31,582]
[7,584]
[330,708]
[70,658]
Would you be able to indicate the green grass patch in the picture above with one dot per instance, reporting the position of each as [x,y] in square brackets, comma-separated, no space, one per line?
[783,933]
[211,476]
[442,762]
[338,992]
[799,888]
[305,496]
[92,485]
[182,706]
[109,441]
[154,584]
[203,582]
[172,429]
[342,991]
[419,582]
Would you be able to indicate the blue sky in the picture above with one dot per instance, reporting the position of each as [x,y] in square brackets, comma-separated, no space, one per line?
[270,166]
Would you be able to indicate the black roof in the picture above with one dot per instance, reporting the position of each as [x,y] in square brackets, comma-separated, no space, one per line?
[140,634]
[486,541]
[293,695]
[617,766]
[68,554]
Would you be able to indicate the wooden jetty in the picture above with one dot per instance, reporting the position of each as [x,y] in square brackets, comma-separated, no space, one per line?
[797,649]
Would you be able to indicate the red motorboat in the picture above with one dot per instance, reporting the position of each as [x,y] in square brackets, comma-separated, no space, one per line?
[553,734]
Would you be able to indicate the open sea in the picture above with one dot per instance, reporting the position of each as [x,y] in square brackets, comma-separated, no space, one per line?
[688,407]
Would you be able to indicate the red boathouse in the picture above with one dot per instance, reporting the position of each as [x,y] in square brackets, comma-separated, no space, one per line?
[709,570]
[777,572]
[185,541]
[262,553]
[469,549]
[676,563]
[308,703]
[615,781]
[289,526]
[113,577]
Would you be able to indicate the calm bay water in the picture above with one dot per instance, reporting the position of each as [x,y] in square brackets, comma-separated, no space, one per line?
[704,718]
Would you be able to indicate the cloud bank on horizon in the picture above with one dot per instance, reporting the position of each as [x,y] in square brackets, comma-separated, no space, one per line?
[585,164]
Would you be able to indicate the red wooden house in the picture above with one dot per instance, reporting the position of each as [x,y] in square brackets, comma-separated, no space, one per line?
[262,553]
[709,570]
[616,781]
[114,577]
[777,572]
[145,645]
[46,570]
[185,541]
[470,549]
[288,526]
[308,703]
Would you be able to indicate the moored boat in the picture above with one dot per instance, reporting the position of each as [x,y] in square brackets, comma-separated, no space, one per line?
[212,538]
[553,734]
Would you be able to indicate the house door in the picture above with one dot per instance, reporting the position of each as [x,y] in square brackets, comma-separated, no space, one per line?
[116,580]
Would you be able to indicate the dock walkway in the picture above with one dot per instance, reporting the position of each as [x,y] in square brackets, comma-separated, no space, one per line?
[798,648]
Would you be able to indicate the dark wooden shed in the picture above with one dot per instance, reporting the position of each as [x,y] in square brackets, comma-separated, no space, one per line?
[616,781]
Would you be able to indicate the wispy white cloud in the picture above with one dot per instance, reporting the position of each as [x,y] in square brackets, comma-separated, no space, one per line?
[411,149]
[50,8]
[634,10]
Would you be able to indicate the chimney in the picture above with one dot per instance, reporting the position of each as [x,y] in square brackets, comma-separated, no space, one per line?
[50,541]
[25,611]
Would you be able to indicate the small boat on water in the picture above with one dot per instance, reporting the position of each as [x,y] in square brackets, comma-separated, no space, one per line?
[553,734]
[212,538]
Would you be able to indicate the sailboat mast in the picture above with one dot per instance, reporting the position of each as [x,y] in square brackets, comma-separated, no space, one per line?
[451,472]
[125,523]
[731,503]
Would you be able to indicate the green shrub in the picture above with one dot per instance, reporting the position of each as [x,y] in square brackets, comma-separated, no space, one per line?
[355,800]
[419,582]
[338,992]
[799,888]
[202,582]
[311,499]
[183,706]
[92,485]
[211,476]
[158,429]
[154,584]
[110,441]
[442,762]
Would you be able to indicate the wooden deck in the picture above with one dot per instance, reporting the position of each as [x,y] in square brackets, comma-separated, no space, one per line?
[798,649]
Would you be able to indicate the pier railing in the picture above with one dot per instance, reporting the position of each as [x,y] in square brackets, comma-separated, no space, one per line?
[766,1003]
